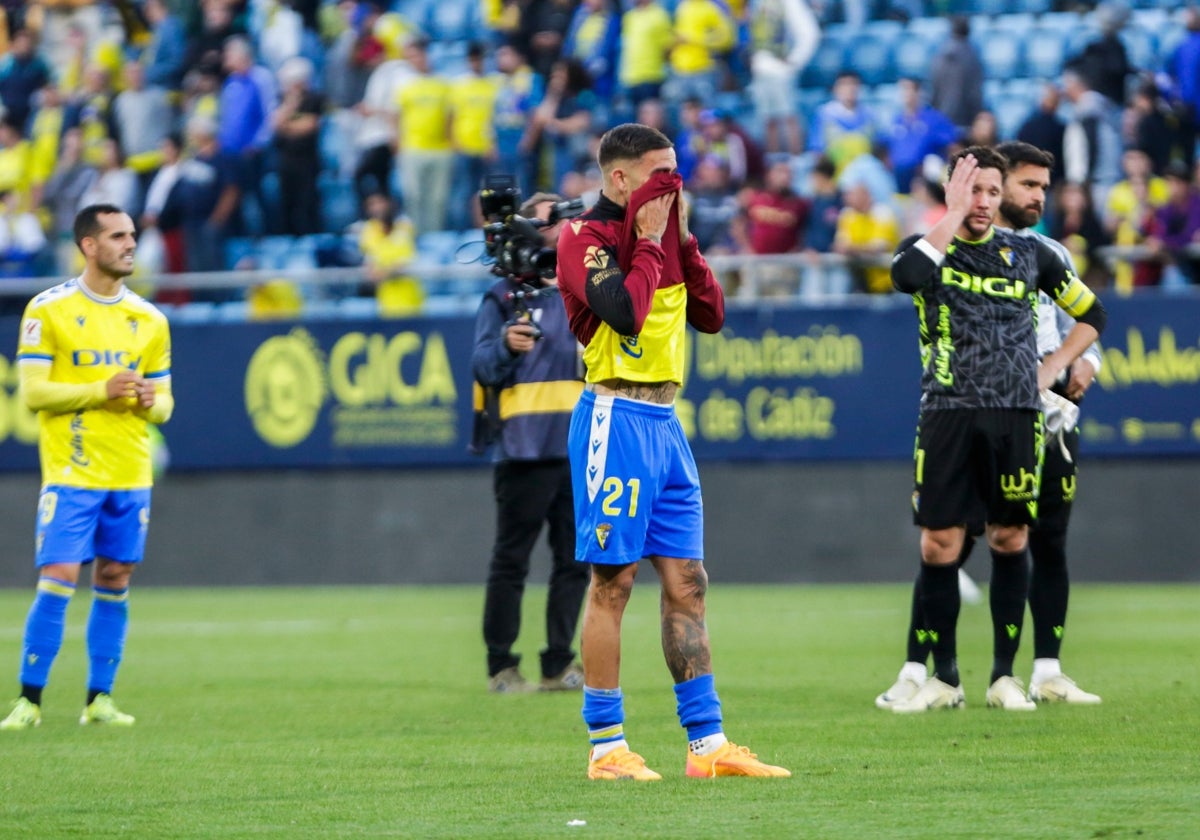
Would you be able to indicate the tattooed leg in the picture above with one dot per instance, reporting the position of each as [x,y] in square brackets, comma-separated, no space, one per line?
[684,633]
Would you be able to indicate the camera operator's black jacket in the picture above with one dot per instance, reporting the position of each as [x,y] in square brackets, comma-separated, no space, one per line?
[524,401]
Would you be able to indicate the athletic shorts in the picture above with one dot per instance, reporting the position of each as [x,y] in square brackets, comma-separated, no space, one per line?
[973,461]
[1058,481]
[77,525]
[637,491]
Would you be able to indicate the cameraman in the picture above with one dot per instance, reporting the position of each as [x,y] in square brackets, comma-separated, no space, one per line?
[526,355]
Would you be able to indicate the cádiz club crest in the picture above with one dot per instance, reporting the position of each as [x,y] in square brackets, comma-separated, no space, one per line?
[285,388]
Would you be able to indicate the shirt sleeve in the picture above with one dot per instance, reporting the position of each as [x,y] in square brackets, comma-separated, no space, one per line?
[706,298]
[914,265]
[491,360]
[588,268]
[1059,281]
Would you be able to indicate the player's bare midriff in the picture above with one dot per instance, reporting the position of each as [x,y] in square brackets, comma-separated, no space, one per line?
[662,393]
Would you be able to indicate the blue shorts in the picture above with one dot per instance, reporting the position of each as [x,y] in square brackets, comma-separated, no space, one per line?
[77,525]
[637,491]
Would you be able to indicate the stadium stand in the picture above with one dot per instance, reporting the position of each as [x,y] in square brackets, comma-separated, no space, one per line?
[1022,44]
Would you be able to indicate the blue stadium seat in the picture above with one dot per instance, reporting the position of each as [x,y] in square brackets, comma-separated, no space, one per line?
[438,246]
[884,100]
[827,62]
[1011,112]
[871,58]
[1001,55]
[912,57]
[1141,45]
[932,29]
[237,249]
[1169,38]
[991,8]
[993,89]
[1080,37]
[272,252]
[339,202]
[335,146]
[1036,7]
[1045,50]
[450,20]
[809,100]
[1017,23]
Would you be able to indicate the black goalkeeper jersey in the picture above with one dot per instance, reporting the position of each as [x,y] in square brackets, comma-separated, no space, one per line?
[977,313]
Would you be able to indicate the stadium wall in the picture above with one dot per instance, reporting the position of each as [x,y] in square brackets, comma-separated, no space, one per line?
[766,523]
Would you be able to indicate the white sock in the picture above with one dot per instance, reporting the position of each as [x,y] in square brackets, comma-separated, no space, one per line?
[601,750]
[707,744]
[1045,669]
[915,671]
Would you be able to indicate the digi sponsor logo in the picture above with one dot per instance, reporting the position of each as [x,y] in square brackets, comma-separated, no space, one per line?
[112,358]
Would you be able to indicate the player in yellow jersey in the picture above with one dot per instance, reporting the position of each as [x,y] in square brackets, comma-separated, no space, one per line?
[95,364]
[632,277]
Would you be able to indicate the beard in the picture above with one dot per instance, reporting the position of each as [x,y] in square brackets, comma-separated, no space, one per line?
[116,268]
[1021,217]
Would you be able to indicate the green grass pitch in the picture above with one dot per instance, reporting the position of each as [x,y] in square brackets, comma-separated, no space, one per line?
[361,712]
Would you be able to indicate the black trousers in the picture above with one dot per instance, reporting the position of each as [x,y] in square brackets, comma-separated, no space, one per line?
[528,494]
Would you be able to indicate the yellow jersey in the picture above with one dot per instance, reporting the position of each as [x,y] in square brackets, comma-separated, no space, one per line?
[72,342]
[425,105]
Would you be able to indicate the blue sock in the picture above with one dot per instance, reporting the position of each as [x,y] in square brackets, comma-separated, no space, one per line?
[698,707]
[44,630]
[106,637]
[604,714]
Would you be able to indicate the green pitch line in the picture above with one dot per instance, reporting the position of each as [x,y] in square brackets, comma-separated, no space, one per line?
[362,712]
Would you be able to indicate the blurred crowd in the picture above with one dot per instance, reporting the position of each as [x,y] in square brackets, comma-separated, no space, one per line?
[227,121]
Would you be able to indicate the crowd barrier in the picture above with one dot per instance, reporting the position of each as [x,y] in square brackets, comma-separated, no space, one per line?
[782,381]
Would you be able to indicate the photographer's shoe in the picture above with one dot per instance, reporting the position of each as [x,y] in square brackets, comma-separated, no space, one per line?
[571,679]
[510,681]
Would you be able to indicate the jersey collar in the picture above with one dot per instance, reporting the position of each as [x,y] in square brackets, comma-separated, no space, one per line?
[98,298]
[987,237]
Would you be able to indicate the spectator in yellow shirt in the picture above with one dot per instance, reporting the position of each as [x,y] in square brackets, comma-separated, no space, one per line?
[867,231]
[15,154]
[426,153]
[388,245]
[704,32]
[1128,209]
[473,102]
[646,37]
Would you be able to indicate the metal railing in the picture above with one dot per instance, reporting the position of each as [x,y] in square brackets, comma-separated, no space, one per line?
[746,277]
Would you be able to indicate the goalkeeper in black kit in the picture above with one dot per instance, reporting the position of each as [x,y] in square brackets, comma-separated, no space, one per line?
[979,438]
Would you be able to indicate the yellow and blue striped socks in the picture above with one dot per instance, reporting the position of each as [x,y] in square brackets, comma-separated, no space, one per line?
[44,629]
[106,638]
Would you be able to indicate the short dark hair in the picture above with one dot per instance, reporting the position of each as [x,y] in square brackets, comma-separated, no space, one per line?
[629,141]
[986,156]
[1019,153]
[87,220]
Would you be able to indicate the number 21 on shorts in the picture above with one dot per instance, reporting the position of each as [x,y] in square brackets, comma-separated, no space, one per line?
[615,502]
